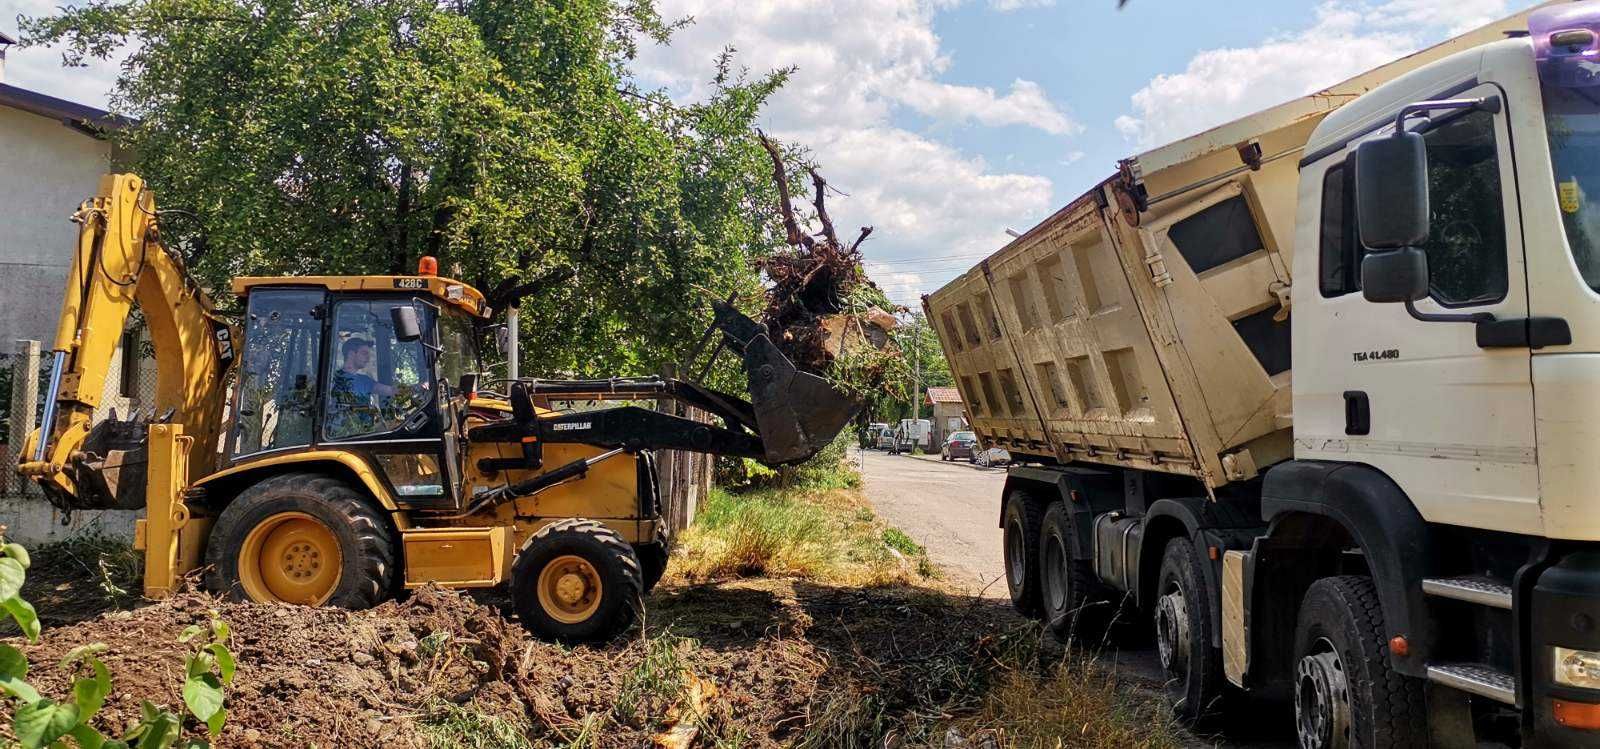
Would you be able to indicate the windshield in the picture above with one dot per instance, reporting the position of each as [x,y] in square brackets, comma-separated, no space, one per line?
[964,436]
[1572,121]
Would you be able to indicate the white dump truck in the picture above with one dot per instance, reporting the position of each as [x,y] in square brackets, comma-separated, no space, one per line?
[1401,542]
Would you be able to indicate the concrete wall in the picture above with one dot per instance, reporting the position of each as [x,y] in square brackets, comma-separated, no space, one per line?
[46,170]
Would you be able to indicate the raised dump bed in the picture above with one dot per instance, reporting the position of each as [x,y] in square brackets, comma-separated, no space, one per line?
[1146,324]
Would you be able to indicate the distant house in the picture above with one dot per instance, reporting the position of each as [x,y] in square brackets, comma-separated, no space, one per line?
[949,413]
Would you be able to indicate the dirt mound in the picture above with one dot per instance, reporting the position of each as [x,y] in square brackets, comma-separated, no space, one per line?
[762,662]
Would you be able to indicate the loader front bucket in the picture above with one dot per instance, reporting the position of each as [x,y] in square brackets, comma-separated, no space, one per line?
[797,413]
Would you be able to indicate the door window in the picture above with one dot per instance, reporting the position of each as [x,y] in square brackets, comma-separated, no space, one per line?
[1466,243]
[376,383]
[278,382]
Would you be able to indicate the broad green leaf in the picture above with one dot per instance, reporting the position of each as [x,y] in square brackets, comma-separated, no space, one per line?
[89,694]
[12,662]
[87,737]
[225,664]
[219,630]
[40,723]
[15,551]
[83,652]
[197,663]
[25,616]
[214,725]
[203,695]
[12,574]
[190,632]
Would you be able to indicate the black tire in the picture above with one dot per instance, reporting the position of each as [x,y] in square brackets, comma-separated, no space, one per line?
[1023,517]
[368,570]
[1341,637]
[1070,596]
[620,575]
[1183,634]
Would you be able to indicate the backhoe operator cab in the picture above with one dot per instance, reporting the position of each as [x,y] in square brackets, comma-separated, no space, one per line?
[356,455]
[330,363]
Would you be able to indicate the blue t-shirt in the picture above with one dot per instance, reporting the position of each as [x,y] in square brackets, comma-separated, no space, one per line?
[354,385]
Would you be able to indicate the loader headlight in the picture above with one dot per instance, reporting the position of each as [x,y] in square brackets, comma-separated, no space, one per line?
[1577,668]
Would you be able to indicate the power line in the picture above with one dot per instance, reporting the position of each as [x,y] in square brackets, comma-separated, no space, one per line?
[903,261]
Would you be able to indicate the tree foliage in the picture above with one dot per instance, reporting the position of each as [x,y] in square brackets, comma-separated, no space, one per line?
[508,139]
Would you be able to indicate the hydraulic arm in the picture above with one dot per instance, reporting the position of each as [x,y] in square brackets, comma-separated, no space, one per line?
[120,261]
[791,415]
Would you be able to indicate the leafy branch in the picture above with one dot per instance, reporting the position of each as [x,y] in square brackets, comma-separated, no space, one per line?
[39,721]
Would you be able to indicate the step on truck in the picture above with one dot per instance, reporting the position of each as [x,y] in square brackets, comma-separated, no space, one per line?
[1399,545]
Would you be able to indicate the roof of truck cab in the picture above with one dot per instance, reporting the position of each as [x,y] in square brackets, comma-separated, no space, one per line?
[447,290]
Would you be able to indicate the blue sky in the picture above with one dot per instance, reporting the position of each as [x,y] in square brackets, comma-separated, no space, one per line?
[947,121]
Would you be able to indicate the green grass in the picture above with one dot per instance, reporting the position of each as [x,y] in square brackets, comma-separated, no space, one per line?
[111,562]
[448,725]
[826,535]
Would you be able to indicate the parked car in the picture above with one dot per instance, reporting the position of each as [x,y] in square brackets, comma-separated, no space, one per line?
[874,430]
[886,440]
[959,445]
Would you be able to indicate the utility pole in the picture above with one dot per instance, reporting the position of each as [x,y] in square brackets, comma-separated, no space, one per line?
[513,354]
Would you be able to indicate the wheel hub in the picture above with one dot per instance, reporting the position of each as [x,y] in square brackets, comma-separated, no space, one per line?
[569,589]
[1015,554]
[290,557]
[1322,700]
[1172,630]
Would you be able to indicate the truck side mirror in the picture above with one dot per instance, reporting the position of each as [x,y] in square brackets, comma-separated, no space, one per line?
[407,327]
[1392,191]
[1395,275]
[502,338]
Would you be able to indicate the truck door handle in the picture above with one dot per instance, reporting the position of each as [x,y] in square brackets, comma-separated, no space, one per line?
[1524,332]
[1357,413]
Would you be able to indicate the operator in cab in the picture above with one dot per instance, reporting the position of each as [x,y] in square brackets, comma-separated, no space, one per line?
[352,408]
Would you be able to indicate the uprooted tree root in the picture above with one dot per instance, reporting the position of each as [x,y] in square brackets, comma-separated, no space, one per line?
[813,280]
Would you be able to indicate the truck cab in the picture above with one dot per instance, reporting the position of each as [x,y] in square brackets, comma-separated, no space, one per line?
[1312,392]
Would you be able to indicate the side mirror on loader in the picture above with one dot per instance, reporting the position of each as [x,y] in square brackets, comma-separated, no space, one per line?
[407,327]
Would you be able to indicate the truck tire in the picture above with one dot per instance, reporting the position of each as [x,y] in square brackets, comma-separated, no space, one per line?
[1068,588]
[1183,633]
[577,581]
[1023,517]
[1346,695]
[302,538]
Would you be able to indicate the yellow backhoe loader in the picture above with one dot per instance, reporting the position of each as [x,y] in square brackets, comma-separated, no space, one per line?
[357,454]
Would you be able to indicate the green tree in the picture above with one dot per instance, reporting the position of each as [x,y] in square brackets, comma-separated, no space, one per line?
[924,366]
[508,139]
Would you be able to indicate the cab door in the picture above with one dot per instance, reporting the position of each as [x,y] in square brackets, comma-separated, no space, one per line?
[382,399]
[1449,421]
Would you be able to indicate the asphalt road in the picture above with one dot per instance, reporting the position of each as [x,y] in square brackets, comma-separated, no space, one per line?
[952,509]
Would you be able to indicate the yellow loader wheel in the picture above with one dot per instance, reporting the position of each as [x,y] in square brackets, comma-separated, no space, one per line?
[305,539]
[577,581]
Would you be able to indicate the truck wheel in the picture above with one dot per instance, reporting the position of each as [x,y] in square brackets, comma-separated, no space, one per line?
[1023,519]
[302,538]
[1067,585]
[1183,633]
[577,581]
[1345,693]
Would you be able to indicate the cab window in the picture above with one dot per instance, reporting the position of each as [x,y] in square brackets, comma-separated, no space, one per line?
[1466,243]
[278,378]
[376,384]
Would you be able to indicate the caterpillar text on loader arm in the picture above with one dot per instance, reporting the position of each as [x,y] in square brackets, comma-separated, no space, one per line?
[357,458]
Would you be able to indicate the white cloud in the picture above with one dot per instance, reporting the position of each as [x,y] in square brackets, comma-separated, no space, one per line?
[858,62]
[1072,157]
[39,69]
[1347,38]
[1006,6]
[1026,104]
